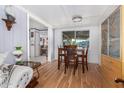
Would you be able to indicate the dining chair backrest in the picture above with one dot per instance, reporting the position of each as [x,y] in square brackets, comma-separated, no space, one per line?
[83,51]
[60,50]
[87,51]
[70,51]
[86,57]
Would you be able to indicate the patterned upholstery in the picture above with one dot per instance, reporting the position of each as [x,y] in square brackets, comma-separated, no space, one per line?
[13,76]
[5,74]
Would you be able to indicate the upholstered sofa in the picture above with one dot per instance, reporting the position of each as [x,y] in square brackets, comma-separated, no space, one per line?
[14,76]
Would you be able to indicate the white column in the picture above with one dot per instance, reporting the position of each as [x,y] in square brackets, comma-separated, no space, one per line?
[50,44]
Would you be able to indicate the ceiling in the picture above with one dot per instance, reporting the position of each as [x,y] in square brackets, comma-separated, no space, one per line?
[61,15]
[36,24]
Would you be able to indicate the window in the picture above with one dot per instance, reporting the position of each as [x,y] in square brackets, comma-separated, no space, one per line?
[69,38]
[82,38]
[79,38]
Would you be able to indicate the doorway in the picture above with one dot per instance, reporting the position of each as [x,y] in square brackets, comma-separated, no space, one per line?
[38,41]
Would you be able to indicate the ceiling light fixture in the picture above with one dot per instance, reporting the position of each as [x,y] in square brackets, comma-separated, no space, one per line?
[77,18]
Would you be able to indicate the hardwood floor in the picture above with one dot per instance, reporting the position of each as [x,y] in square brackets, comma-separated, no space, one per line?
[51,77]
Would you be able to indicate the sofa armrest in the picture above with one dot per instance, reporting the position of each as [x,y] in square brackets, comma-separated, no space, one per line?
[20,77]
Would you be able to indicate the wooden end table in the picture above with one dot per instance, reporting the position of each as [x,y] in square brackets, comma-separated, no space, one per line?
[34,66]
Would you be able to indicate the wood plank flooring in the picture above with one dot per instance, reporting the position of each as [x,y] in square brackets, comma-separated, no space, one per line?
[51,77]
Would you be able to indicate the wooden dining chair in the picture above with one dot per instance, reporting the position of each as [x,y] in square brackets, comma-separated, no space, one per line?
[60,56]
[70,57]
[86,57]
[80,56]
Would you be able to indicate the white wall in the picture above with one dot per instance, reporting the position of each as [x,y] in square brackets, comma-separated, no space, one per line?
[95,39]
[17,35]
